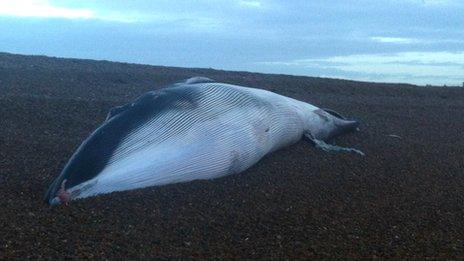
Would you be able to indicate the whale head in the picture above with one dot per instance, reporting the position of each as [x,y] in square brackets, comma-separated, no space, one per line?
[113,142]
[80,176]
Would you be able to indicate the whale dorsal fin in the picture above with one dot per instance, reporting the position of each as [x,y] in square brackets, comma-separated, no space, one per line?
[192,80]
[197,79]
[116,110]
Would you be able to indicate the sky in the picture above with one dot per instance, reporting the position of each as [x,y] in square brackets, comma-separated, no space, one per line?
[407,41]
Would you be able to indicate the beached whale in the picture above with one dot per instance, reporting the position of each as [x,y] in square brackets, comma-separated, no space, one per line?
[197,129]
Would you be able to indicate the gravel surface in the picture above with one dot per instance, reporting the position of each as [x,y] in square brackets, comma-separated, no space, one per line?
[404,199]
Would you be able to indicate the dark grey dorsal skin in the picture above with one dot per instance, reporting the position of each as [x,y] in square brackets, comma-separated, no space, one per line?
[95,152]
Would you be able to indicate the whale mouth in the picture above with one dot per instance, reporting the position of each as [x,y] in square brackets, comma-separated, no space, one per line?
[54,201]
[62,195]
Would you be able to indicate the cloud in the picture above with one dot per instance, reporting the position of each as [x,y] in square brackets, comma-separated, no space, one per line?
[415,67]
[294,37]
[394,40]
[250,3]
[41,8]
[46,9]
[439,2]
[435,3]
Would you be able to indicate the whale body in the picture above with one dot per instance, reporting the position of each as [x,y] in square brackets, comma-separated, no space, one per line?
[197,129]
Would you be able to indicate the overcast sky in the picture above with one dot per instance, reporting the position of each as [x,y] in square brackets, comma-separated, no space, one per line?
[412,41]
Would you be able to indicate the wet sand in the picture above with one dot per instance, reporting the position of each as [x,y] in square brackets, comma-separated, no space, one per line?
[403,199]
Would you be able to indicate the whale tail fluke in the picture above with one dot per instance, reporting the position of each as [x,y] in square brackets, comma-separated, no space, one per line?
[335,125]
[346,126]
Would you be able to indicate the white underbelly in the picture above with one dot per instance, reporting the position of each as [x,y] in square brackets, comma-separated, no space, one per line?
[208,150]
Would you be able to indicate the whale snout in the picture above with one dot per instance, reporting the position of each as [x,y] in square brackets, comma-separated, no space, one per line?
[54,201]
[60,194]
[57,193]
[50,195]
